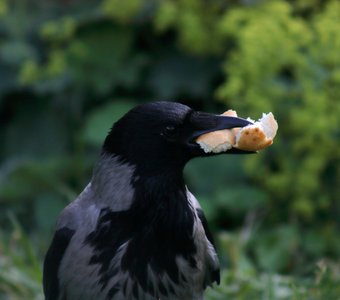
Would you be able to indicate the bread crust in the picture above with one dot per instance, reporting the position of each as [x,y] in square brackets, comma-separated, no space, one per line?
[253,138]
[258,136]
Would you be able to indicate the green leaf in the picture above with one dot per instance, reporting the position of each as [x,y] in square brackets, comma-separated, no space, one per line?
[46,209]
[176,75]
[225,172]
[274,247]
[238,200]
[100,121]
[16,52]
[98,56]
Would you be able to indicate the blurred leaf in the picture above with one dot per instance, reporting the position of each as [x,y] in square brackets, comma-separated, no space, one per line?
[274,248]
[101,51]
[59,31]
[225,173]
[47,208]
[27,248]
[3,7]
[182,74]
[24,179]
[20,270]
[122,11]
[36,132]
[239,200]
[100,121]
[16,52]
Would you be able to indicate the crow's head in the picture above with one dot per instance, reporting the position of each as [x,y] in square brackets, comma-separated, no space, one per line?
[161,135]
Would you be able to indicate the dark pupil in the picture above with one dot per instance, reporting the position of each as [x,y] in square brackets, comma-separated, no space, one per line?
[170,130]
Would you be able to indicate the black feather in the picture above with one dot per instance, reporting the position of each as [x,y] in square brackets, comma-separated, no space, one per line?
[52,262]
[158,227]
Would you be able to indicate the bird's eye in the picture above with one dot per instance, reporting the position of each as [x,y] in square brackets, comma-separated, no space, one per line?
[170,132]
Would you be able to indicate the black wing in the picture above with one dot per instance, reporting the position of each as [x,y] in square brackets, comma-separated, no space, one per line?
[52,261]
[215,274]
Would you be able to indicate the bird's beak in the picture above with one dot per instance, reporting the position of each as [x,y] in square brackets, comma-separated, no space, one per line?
[202,123]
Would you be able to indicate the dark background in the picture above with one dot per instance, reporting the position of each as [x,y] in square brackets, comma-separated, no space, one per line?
[69,69]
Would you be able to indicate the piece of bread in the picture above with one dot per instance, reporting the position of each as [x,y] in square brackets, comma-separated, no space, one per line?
[253,137]
[220,140]
[257,136]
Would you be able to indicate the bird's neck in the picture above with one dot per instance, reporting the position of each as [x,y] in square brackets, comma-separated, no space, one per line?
[161,204]
[148,209]
[112,183]
[120,185]
[160,191]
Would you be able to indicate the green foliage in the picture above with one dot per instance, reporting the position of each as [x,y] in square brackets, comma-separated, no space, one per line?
[287,65]
[195,22]
[20,276]
[123,11]
[69,71]
[100,120]
[281,64]
[249,285]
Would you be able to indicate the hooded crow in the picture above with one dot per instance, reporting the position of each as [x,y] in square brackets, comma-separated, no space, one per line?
[136,232]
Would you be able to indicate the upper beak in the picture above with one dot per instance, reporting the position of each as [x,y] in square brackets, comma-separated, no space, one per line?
[205,122]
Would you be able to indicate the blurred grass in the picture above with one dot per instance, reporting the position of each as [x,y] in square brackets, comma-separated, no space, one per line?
[20,268]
